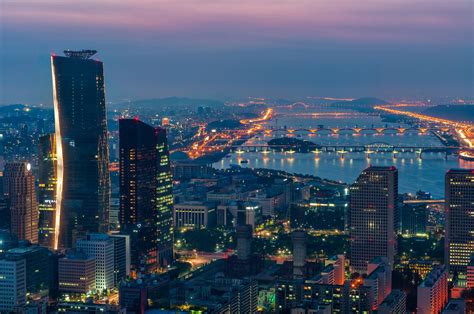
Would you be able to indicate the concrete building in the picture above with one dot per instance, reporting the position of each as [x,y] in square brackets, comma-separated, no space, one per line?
[12,285]
[373,212]
[394,303]
[459,239]
[379,279]
[432,293]
[194,214]
[338,263]
[298,238]
[455,306]
[39,266]
[19,192]
[121,257]
[100,247]
[76,273]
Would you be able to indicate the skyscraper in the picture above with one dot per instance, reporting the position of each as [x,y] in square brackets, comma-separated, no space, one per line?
[164,200]
[19,191]
[373,212]
[47,179]
[146,198]
[83,182]
[459,206]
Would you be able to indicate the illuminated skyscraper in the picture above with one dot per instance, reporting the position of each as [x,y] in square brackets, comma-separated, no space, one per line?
[138,169]
[20,195]
[47,175]
[83,182]
[373,212]
[146,198]
[459,206]
[164,200]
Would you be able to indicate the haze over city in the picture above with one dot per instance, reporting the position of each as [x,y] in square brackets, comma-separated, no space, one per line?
[221,49]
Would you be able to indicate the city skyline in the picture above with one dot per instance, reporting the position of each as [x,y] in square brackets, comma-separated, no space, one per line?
[270,49]
[238,156]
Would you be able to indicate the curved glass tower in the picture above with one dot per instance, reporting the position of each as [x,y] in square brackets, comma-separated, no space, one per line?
[83,183]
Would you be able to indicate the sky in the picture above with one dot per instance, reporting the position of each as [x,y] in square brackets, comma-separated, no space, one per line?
[239,48]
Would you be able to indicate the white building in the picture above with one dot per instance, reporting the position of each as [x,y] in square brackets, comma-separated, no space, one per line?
[12,285]
[101,248]
[432,294]
[194,214]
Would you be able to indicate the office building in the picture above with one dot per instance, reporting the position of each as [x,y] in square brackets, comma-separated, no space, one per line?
[47,184]
[459,208]
[432,293]
[298,238]
[101,248]
[146,199]
[164,201]
[39,266]
[414,219]
[76,273]
[20,195]
[394,303]
[373,212]
[83,181]
[121,257]
[194,214]
[12,285]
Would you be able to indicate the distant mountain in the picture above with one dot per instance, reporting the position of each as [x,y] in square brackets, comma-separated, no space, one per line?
[172,102]
[452,112]
[362,102]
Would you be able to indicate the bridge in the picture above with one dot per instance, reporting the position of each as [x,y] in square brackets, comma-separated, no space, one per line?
[354,130]
[342,150]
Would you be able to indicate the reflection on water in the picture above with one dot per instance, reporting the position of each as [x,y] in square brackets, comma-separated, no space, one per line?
[414,173]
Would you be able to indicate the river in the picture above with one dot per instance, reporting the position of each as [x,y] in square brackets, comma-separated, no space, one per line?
[415,174]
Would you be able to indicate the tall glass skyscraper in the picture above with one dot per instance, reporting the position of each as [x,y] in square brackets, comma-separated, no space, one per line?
[374,216]
[47,180]
[83,182]
[146,196]
[459,207]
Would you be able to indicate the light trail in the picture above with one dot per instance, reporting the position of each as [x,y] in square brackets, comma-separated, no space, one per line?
[60,161]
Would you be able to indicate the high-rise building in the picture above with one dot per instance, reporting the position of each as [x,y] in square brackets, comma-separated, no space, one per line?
[83,181]
[432,293]
[20,195]
[373,212]
[459,207]
[101,248]
[47,179]
[12,285]
[146,198]
[164,201]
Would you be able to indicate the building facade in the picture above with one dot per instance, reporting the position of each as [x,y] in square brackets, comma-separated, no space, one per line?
[459,208]
[146,194]
[12,285]
[76,273]
[373,212]
[47,184]
[432,293]
[101,248]
[83,181]
[20,195]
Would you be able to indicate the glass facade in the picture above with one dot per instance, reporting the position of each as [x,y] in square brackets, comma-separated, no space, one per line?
[83,182]
[47,183]
[459,208]
[146,195]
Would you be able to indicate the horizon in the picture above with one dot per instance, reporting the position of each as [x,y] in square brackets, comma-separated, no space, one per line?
[209,49]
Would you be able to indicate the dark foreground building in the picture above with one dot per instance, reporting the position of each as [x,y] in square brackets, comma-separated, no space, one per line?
[459,194]
[373,215]
[83,182]
[146,197]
